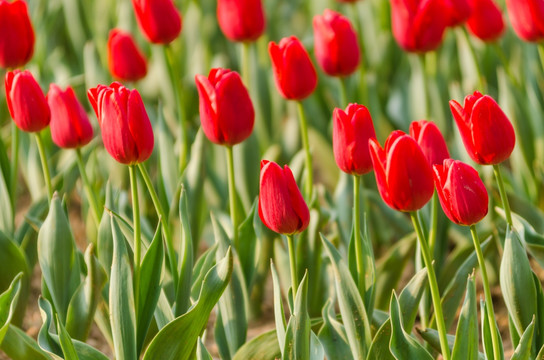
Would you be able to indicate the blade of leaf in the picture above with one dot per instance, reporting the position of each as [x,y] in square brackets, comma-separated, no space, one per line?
[183,296]
[279,313]
[8,303]
[333,335]
[466,335]
[523,350]
[66,344]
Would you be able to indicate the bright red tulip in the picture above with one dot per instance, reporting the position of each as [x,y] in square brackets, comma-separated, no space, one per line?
[293,70]
[70,126]
[16,34]
[527,18]
[352,129]
[430,140]
[403,174]
[226,110]
[26,101]
[487,133]
[461,192]
[458,11]
[335,44]
[486,21]
[125,60]
[241,20]
[126,130]
[281,205]
[159,20]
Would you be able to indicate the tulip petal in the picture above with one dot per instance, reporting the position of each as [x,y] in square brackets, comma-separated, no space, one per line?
[139,126]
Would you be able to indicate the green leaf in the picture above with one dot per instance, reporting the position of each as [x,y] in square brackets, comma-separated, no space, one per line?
[105,236]
[466,335]
[18,345]
[539,321]
[262,347]
[201,268]
[201,351]
[486,334]
[167,161]
[297,337]
[6,215]
[66,344]
[183,296]
[8,303]
[45,338]
[523,350]
[279,313]
[333,335]
[249,251]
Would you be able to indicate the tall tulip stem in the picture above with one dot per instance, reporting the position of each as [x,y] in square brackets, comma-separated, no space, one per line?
[541,54]
[359,256]
[434,222]
[343,92]
[232,196]
[245,64]
[292,263]
[309,187]
[95,209]
[137,236]
[15,139]
[45,166]
[502,192]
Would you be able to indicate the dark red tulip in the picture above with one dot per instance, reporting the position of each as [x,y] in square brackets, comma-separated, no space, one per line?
[430,140]
[159,20]
[487,133]
[16,34]
[352,129]
[403,174]
[125,60]
[461,192]
[26,101]
[458,11]
[486,21]
[335,44]
[527,18]
[281,205]
[125,126]
[293,70]
[70,126]
[226,110]
[241,20]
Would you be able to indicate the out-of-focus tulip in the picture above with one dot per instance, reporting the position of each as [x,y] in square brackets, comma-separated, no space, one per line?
[458,11]
[226,110]
[281,205]
[125,126]
[241,20]
[527,18]
[26,101]
[293,70]
[352,129]
[335,44]
[487,133]
[16,34]
[403,174]
[461,192]
[486,21]
[126,61]
[159,20]
[430,140]
[70,126]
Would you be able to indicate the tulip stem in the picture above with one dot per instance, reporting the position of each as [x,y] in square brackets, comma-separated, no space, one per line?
[45,167]
[362,70]
[359,256]
[306,143]
[466,35]
[15,136]
[540,48]
[343,92]
[137,236]
[504,197]
[245,65]
[292,263]
[232,197]
[95,209]
[487,293]
[505,64]
[435,294]
[434,222]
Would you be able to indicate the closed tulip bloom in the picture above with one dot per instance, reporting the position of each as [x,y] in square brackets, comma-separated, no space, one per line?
[16,34]
[294,72]
[159,20]
[125,126]
[527,18]
[226,110]
[241,20]
[486,21]
[461,192]
[430,140]
[403,174]
[70,126]
[352,129]
[458,11]
[281,205]
[125,60]
[26,101]
[487,133]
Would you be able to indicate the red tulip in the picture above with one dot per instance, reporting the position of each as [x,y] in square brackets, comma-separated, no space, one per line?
[487,133]
[26,101]
[126,130]
[125,59]
[351,132]
[461,192]
[226,110]
[335,44]
[16,34]
[293,70]
[159,20]
[281,205]
[241,20]
[70,126]
[430,140]
[527,18]
[403,174]
[458,11]
[486,21]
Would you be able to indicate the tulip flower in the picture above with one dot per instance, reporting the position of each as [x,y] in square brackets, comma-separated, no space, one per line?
[159,20]
[458,11]
[241,20]
[486,21]
[335,44]
[527,18]
[125,60]
[16,34]
[430,140]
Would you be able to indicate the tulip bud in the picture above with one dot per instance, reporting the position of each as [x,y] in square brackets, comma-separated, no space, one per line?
[487,133]
[430,140]
[26,101]
[125,126]
[458,11]
[281,205]
[294,72]
[335,44]
[403,174]
[351,132]
[125,60]
[159,20]
[461,192]
[16,34]
[486,21]
[226,110]
[241,20]
[527,18]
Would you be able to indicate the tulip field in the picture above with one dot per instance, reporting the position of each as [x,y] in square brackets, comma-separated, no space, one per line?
[272,179]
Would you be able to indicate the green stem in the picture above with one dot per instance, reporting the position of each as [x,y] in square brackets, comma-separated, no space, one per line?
[363,88]
[232,197]
[95,209]
[45,167]
[15,136]
[306,143]
[423,74]
[487,293]
[292,263]
[359,256]
[245,65]
[343,92]
[474,57]
[435,294]
[540,48]
[502,192]
[505,63]
[137,236]
[434,222]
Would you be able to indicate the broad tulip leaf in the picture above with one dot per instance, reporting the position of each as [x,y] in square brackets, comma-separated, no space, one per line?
[540,355]
[486,334]
[249,249]
[297,337]
[201,268]
[333,335]
[201,351]
[539,321]
[6,215]
[279,313]
[66,343]
[317,352]
[523,350]
[8,303]
[105,236]
[183,296]
[466,335]
[167,161]
[262,347]
[18,345]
